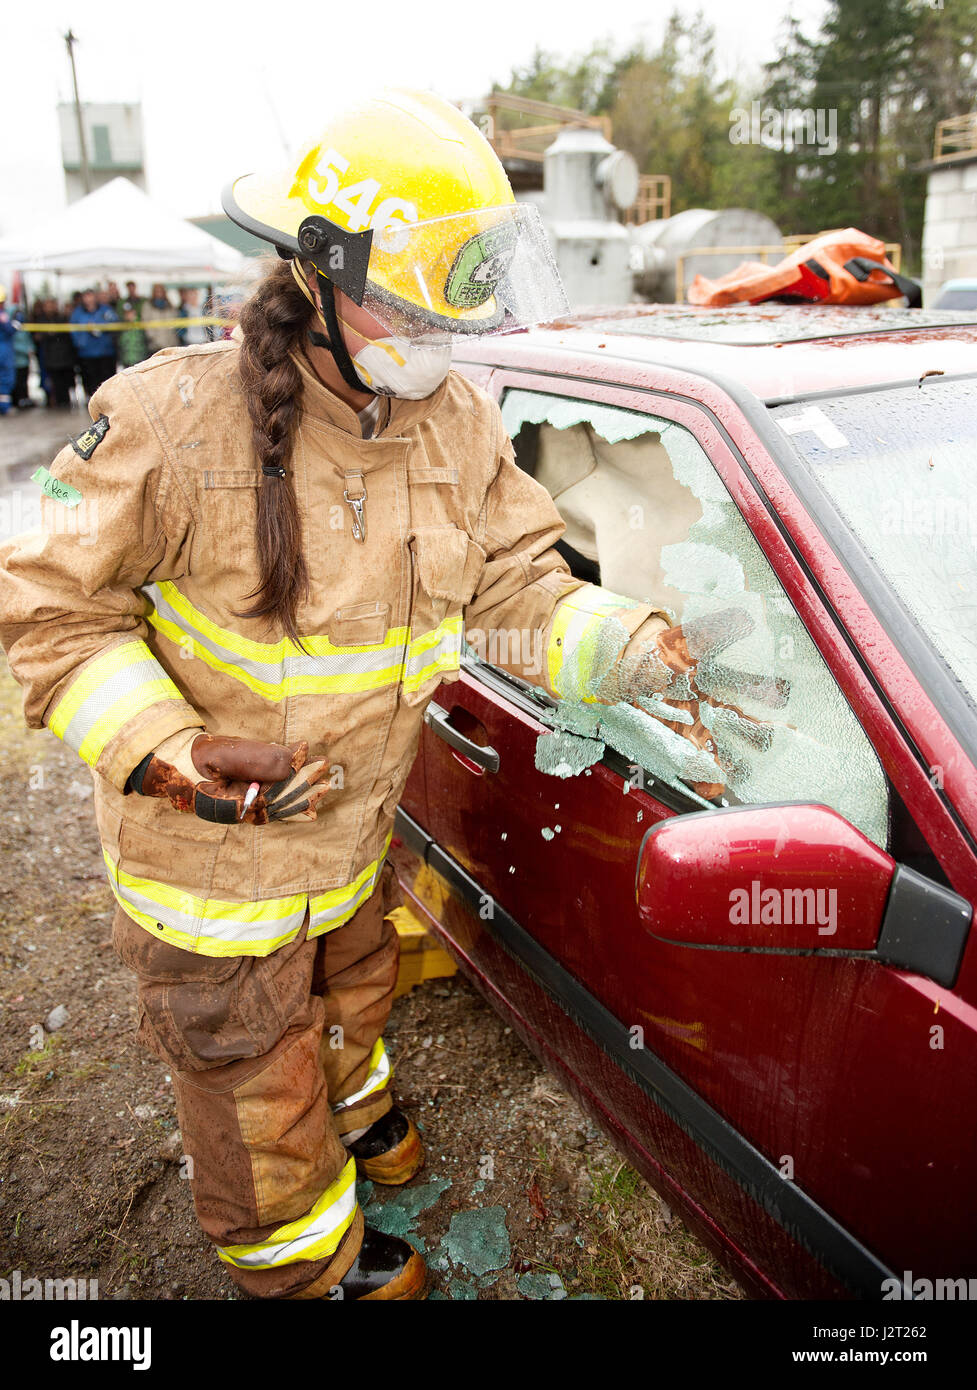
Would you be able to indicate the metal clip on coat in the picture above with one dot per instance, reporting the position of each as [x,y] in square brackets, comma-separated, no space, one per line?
[357,505]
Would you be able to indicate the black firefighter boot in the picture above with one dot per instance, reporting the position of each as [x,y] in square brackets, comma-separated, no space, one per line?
[390,1151]
[386,1267]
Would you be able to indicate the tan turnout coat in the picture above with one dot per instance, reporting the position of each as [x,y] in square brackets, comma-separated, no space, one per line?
[120,620]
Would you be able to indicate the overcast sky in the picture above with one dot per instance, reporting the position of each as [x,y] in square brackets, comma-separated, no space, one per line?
[227,87]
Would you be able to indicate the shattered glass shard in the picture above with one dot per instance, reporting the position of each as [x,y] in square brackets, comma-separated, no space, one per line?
[478,1240]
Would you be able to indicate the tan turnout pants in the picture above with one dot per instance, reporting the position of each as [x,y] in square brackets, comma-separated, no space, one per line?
[264,1051]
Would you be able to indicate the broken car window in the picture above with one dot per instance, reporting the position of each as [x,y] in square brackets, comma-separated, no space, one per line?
[648,517]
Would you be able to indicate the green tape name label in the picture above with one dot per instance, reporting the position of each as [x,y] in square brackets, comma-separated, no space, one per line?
[60,492]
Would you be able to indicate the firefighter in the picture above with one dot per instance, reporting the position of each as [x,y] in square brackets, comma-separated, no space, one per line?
[252,574]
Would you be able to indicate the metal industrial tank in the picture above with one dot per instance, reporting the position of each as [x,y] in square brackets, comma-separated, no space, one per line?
[586,183]
[658,245]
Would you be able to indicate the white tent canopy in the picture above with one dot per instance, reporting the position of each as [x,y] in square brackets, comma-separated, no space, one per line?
[119,231]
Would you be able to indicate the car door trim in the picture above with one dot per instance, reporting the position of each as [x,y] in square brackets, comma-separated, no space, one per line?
[799,1215]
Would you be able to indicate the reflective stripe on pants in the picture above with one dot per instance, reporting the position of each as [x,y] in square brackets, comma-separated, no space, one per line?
[312,1237]
[377,1077]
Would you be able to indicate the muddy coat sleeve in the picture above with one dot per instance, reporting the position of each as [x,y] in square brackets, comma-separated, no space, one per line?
[70,615]
[528,615]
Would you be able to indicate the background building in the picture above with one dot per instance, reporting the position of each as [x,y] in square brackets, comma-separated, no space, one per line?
[114,141]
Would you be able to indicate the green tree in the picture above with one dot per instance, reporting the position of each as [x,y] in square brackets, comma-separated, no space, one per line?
[881,72]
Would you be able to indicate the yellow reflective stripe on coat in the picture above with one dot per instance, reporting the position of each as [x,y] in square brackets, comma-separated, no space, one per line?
[312,1237]
[434,652]
[379,1074]
[217,927]
[331,909]
[573,637]
[275,670]
[109,692]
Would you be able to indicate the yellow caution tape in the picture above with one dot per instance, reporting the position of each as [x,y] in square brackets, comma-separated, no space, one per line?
[121,325]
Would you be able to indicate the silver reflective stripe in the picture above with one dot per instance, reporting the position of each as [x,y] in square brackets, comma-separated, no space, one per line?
[229,930]
[379,1074]
[106,694]
[340,669]
[117,687]
[312,1237]
[330,910]
[425,660]
[219,927]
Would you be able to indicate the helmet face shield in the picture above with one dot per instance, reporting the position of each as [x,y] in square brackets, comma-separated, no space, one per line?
[485,271]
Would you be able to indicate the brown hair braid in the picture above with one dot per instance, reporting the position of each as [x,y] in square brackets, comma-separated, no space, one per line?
[273,321]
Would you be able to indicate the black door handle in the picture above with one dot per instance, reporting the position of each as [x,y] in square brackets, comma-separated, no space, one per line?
[437,719]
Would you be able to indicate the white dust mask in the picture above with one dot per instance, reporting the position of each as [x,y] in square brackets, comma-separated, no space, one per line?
[397,367]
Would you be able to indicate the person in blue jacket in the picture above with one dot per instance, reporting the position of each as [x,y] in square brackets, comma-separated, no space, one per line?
[96,351]
[7,367]
[23,349]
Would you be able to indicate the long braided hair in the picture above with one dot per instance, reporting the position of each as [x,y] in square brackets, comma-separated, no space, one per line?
[273,321]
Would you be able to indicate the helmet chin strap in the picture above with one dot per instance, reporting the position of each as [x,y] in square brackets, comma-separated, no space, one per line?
[328,318]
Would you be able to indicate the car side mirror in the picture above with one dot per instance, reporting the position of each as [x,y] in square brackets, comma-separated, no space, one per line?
[794,878]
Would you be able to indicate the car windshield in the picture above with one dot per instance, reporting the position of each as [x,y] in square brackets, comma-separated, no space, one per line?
[900,467]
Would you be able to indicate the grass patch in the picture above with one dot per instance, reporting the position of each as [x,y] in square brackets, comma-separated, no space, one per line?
[628,1217]
[36,1059]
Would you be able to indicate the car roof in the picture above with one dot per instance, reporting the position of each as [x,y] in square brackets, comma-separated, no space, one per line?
[777,351]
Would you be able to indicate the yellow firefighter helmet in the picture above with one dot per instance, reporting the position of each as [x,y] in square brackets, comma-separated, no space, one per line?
[402,203]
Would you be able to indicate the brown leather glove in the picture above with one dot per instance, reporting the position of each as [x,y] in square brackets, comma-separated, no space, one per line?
[692,677]
[213,777]
[689,652]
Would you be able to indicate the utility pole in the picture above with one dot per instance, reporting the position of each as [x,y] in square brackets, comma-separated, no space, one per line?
[86,173]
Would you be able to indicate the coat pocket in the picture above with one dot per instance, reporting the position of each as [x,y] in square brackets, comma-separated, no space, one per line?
[224,545]
[446,566]
[168,878]
[359,625]
[447,562]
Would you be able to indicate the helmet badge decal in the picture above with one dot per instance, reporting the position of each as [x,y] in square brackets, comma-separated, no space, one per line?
[479,267]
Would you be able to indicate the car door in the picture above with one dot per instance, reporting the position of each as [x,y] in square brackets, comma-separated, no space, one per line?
[532,874]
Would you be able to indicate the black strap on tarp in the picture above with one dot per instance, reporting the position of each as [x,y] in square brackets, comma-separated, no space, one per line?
[861,267]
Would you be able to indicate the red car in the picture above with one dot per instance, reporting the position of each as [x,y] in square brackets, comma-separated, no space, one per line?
[768,998]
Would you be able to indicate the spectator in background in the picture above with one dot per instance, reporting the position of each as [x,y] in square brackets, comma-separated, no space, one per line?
[7,331]
[59,358]
[39,315]
[157,308]
[105,299]
[133,297]
[96,350]
[132,341]
[190,309]
[23,347]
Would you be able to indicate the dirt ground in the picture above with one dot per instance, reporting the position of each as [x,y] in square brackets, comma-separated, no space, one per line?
[91,1180]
